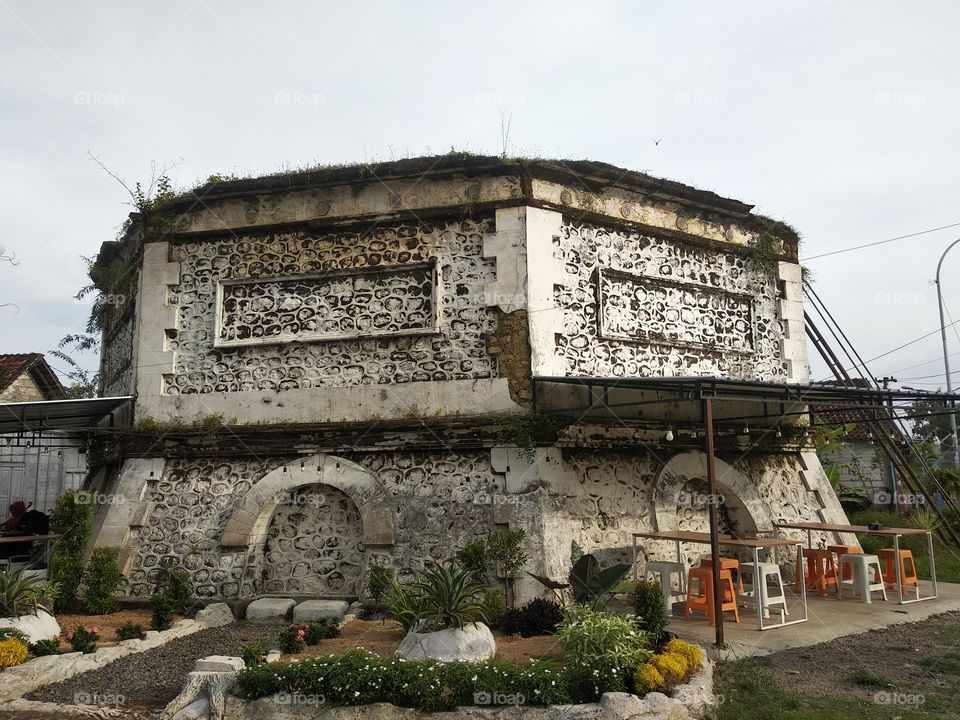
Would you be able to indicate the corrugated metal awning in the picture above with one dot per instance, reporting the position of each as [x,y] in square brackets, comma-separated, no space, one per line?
[83,414]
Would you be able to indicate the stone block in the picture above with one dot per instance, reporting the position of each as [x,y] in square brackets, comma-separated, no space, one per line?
[41,626]
[215,615]
[270,608]
[219,663]
[316,609]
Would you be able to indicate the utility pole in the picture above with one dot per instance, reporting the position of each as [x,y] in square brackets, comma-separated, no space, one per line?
[891,468]
[946,359]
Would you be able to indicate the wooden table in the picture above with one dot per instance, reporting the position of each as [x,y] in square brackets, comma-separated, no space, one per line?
[895,533]
[755,544]
[7,537]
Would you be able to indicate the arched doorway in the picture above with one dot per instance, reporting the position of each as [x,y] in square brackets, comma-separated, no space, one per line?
[306,527]
[314,545]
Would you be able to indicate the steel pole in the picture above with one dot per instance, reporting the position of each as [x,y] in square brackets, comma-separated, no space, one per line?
[946,358]
[714,520]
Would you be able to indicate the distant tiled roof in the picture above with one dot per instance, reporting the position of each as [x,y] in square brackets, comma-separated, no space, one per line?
[834,415]
[14,365]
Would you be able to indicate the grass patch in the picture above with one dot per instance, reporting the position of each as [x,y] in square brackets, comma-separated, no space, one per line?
[868,680]
[949,663]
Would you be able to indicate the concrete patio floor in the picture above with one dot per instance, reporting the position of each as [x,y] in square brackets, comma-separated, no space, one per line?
[829,618]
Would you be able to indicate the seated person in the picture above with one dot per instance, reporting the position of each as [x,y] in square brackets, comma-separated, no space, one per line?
[27,522]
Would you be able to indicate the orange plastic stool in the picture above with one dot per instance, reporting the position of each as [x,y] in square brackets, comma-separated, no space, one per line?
[702,599]
[726,563]
[890,573]
[839,550]
[821,570]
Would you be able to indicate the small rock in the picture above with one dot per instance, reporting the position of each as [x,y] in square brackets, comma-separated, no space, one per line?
[197,710]
[273,656]
[621,705]
[215,615]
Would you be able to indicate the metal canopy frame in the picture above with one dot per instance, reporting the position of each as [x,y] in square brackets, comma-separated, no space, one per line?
[36,417]
[706,391]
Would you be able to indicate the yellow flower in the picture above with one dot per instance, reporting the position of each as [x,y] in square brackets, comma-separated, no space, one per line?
[647,679]
[693,654]
[672,667]
[12,652]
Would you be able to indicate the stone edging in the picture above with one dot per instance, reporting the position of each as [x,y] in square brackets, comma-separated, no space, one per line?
[17,681]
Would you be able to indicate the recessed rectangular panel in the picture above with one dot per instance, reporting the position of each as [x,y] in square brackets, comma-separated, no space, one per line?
[637,308]
[342,305]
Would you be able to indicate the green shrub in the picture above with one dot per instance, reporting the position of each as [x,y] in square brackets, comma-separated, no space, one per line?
[358,678]
[20,593]
[180,589]
[494,605]
[509,558]
[651,611]
[291,639]
[538,617]
[589,679]
[70,519]
[473,556]
[379,580]
[320,629]
[589,635]
[45,647]
[83,639]
[100,579]
[163,611]
[254,653]
[9,632]
[130,631]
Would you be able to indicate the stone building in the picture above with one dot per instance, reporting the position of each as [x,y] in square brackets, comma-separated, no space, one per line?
[338,367]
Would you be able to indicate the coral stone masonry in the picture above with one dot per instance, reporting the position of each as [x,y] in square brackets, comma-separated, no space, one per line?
[337,367]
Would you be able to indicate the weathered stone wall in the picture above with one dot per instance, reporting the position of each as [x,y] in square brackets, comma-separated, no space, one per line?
[438,501]
[370,313]
[636,305]
[23,389]
[117,358]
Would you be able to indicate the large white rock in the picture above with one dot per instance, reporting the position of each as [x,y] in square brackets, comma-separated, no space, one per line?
[215,615]
[269,608]
[317,609]
[42,626]
[471,642]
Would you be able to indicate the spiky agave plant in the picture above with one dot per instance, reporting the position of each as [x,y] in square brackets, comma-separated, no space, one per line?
[20,593]
[450,596]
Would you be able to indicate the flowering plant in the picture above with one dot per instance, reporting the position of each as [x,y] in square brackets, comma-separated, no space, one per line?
[291,638]
[83,639]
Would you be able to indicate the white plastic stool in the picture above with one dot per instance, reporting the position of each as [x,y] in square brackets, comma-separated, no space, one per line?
[860,580]
[767,570]
[667,570]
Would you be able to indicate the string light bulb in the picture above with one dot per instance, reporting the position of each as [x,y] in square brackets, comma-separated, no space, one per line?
[668,436]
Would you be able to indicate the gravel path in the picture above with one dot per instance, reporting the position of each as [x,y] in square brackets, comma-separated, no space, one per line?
[153,678]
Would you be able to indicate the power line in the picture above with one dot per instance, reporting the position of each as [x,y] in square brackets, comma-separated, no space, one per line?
[879,242]
[928,362]
[901,347]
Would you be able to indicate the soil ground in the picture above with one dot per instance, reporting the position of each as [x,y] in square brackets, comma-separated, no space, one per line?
[106,625]
[904,671]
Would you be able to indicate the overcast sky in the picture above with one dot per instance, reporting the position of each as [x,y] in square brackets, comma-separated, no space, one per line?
[840,119]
